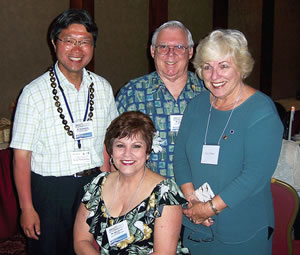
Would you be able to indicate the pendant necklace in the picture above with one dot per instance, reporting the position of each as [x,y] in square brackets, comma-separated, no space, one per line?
[231,112]
[133,196]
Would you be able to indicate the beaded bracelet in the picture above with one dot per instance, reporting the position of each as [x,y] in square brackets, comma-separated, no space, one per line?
[212,206]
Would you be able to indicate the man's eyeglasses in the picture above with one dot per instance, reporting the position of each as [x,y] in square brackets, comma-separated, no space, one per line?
[205,240]
[71,42]
[165,49]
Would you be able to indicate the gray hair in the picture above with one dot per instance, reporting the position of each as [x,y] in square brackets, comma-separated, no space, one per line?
[173,24]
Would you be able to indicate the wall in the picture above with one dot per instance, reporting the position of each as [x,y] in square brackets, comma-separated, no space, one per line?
[122,52]
[24,50]
[246,16]
[286,53]
[196,15]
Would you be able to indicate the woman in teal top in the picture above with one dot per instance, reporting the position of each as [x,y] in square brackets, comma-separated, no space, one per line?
[229,140]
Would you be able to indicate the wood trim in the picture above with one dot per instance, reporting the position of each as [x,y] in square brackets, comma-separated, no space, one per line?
[220,14]
[267,32]
[158,14]
[89,6]
[85,4]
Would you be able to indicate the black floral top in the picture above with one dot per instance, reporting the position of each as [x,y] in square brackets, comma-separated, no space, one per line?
[140,219]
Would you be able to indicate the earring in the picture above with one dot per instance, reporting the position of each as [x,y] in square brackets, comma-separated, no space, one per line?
[111,161]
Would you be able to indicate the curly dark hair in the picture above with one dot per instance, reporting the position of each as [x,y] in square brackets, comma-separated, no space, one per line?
[130,124]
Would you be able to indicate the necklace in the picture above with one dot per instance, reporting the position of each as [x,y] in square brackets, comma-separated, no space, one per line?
[58,104]
[208,120]
[134,195]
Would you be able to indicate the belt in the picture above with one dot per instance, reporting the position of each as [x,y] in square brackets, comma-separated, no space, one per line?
[87,172]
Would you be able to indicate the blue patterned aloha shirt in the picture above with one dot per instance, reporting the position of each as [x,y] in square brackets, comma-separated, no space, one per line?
[149,95]
[140,219]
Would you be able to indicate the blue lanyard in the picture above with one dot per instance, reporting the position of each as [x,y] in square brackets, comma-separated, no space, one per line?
[66,102]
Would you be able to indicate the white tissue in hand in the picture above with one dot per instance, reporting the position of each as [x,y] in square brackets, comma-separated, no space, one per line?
[204,192]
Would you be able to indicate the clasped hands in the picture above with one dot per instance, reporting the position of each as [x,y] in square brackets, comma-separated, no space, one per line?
[197,212]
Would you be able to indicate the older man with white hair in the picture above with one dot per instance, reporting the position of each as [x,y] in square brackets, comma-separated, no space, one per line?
[165,93]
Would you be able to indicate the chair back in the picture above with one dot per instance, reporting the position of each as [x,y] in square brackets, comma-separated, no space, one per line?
[286,205]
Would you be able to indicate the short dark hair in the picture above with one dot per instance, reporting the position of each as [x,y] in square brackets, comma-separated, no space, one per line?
[130,124]
[73,16]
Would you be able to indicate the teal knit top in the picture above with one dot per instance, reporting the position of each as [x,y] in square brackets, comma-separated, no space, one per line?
[247,159]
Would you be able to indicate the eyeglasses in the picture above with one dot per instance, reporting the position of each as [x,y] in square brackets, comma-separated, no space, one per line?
[71,42]
[165,49]
[205,240]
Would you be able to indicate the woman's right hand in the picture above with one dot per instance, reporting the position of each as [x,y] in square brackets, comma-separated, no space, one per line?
[196,212]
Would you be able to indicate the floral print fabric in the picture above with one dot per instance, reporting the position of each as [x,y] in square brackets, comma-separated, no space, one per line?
[140,219]
[149,94]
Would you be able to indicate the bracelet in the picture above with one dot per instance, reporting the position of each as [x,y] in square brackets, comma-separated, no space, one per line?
[212,206]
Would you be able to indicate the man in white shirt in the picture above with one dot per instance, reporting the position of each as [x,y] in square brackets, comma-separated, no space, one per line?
[58,135]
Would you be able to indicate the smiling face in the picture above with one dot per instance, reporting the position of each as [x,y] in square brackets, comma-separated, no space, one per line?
[222,78]
[129,154]
[172,66]
[71,60]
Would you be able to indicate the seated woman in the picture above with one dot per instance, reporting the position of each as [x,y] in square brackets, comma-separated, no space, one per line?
[132,210]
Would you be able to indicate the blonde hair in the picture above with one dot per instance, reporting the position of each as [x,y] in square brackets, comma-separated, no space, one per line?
[224,43]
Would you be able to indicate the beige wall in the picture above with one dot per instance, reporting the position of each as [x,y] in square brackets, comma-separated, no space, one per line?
[122,50]
[196,15]
[24,50]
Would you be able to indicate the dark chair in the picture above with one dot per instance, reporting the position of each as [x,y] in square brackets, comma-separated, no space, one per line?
[286,205]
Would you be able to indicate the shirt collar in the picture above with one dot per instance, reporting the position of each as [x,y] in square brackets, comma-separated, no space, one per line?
[65,84]
[190,84]
[157,81]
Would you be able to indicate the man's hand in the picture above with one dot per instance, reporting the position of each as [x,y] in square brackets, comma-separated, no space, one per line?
[30,222]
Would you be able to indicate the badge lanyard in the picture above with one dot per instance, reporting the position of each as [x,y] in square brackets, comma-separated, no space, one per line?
[66,102]
[210,153]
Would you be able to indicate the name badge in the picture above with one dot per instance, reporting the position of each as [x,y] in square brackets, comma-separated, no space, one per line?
[175,122]
[81,157]
[117,233]
[210,154]
[83,130]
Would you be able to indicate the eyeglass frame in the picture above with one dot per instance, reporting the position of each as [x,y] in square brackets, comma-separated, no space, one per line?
[79,42]
[206,240]
[171,47]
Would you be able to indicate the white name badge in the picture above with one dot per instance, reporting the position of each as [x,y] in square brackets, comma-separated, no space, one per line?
[175,122]
[83,130]
[210,154]
[117,233]
[81,157]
